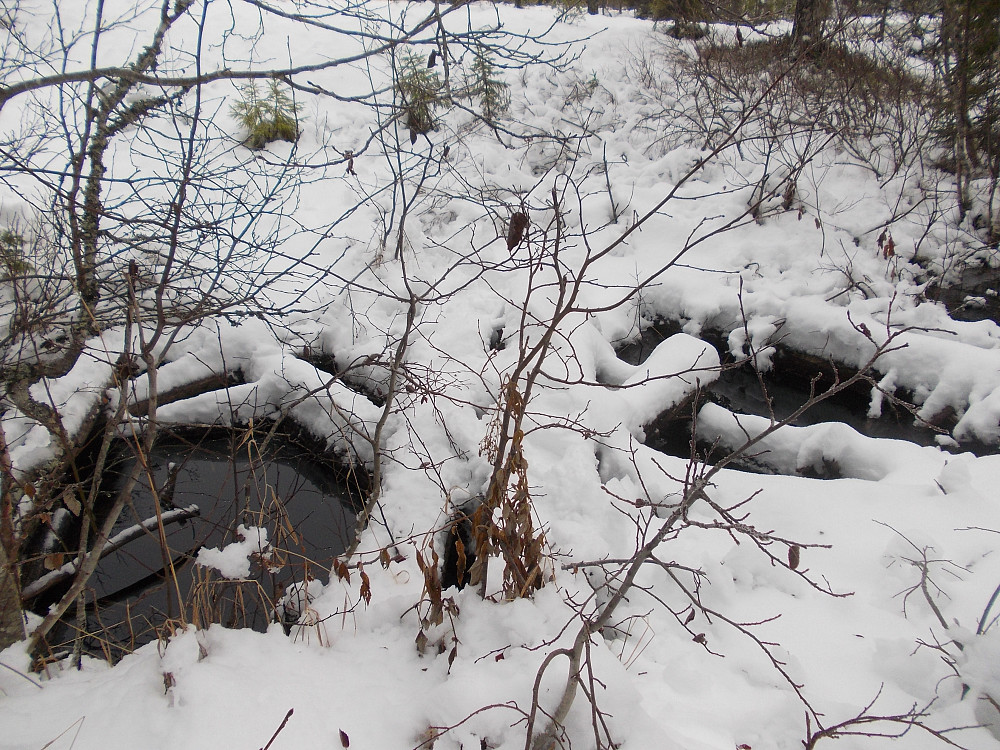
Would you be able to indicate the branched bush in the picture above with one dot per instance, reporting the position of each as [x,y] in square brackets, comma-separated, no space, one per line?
[267,116]
[858,100]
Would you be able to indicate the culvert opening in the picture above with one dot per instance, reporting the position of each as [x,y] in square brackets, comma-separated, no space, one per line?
[216,489]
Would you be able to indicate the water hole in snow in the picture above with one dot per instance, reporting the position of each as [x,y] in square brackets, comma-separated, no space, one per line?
[303,503]
[739,390]
[974,296]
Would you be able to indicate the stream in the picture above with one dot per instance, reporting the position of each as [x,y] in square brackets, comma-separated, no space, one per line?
[973,297]
[739,390]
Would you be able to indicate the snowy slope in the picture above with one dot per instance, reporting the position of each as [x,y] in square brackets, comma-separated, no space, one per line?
[848,631]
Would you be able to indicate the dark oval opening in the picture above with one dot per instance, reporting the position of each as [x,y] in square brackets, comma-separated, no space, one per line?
[306,500]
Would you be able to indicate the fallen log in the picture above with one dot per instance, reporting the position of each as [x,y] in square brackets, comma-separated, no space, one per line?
[54,577]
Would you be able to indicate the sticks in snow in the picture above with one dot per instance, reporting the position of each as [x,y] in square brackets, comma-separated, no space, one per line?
[116,542]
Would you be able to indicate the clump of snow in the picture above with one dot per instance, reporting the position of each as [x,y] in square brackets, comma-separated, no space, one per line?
[75,396]
[753,341]
[820,448]
[886,385]
[234,560]
[978,663]
[677,367]
[297,600]
[956,474]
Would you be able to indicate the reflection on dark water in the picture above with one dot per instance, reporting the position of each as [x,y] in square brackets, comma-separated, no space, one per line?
[787,387]
[739,390]
[308,515]
[974,297]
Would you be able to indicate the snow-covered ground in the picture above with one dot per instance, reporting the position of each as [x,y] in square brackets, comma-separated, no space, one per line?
[894,565]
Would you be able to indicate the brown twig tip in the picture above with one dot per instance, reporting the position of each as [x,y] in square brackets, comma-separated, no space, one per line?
[278,730]
[515,232]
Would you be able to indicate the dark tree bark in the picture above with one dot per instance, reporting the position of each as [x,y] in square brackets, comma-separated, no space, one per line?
[810,15]
[11,621]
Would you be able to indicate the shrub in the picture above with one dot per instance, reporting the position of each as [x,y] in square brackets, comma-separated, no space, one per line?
[419,88]
[12,262]
[493,94]
[840,92]
[267,117]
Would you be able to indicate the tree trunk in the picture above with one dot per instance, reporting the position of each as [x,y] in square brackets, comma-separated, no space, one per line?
[965,156]
[810,15]
[11,619]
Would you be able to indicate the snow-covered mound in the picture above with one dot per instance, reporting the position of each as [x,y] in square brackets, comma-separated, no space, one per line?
[774,610]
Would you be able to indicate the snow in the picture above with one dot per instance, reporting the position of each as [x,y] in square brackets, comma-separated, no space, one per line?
[233,560]
[850,627]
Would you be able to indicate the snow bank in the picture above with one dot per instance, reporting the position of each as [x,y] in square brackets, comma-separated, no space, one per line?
[846,626]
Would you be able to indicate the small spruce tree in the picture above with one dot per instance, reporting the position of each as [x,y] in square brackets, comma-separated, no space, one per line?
[419,90]
[267,116]
[492,92]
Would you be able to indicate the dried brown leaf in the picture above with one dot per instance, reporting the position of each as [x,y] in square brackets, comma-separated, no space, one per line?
[460,563]
[366,590]
[72,504]
[343,572]
[515,232]
[890,248]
